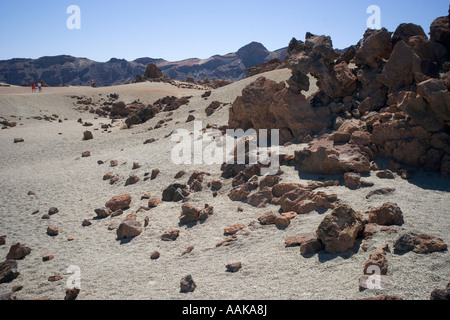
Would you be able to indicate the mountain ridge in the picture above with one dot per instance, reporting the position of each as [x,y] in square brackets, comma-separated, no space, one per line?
[68,70]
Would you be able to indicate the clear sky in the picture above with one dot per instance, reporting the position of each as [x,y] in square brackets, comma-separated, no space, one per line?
[182,29]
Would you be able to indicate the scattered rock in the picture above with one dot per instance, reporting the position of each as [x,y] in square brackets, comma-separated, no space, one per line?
[18,140]
[282,222]
[441,294]
[113,163]
[133,179]
[56,277]
[388,214]
[18,251]
[86,223]
[227,241]
[187,285]
[170,235]
[382,191]
[155,255]
[136,166]
[377,260]
[103,212]
[119,202]
[418,243]
[2,240]
[155,174]
[338,231]
[86,154]
[385,174]
[47,257]
[53,211]
[72,294]
[129,229]
[352,180]
[267,218]
[175,193]
[180,174]
[87,135]
[154,202]
[233,229]
[234,267]
[188,250]
[8,270]
[52,231]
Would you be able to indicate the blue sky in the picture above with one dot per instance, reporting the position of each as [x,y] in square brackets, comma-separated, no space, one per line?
[181,29]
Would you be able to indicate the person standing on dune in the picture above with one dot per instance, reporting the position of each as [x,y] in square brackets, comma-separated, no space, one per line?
[93,83]
[40,86]
[33,87]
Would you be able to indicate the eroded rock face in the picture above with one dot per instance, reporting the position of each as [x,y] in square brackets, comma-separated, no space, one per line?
[338,231]
[265,104]
[324,157]
[119,202]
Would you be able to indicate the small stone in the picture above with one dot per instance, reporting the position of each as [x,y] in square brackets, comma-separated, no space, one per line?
[146,196]
[234,267]
[8,270]
[113,163]
[170,235]
[282,221]
[188,250]
[187,284]
[388,214]
[129,229]
[233,229]
[52,231]
[108,176]
[154,202]
[267,218]
[53,211]
[119,202]
[56,277]
[86,154]
[136,166]
[103,212]
[18,140]
[180,174]
[87,135]
[31,193]
[146,221]
[155,174]
[45,217]
[155,255]
[133,179]
[72,294]
[385,174]
[2,240]
[47,257]
[216,185]
[86,223]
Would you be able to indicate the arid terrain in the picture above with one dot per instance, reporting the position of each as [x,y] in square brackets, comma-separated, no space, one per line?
[351,192]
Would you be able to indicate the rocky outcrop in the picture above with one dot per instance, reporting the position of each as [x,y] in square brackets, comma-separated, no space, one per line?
[418,243]
[338,231]
[265,104]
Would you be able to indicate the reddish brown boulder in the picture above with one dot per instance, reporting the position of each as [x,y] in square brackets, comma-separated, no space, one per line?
[352,180]
[189,214]
[267,218]
[87,135]
[282,221]
[133,179]
[52,231]
[129,229]
[378,261]
[8,270]
[119,202]
[170,235]
[338,231]
[418,243]
[388,214]
[18,252]
[402,68]
[260,198]
[103,212]
[375,48]
[154,202]
[233,229]
[440,31]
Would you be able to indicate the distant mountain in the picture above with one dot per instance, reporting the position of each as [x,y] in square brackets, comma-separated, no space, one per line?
[68,70]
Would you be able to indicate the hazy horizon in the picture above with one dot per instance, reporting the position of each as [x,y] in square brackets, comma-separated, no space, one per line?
[178,30]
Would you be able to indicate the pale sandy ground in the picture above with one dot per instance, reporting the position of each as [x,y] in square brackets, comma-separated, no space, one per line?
[50,163]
